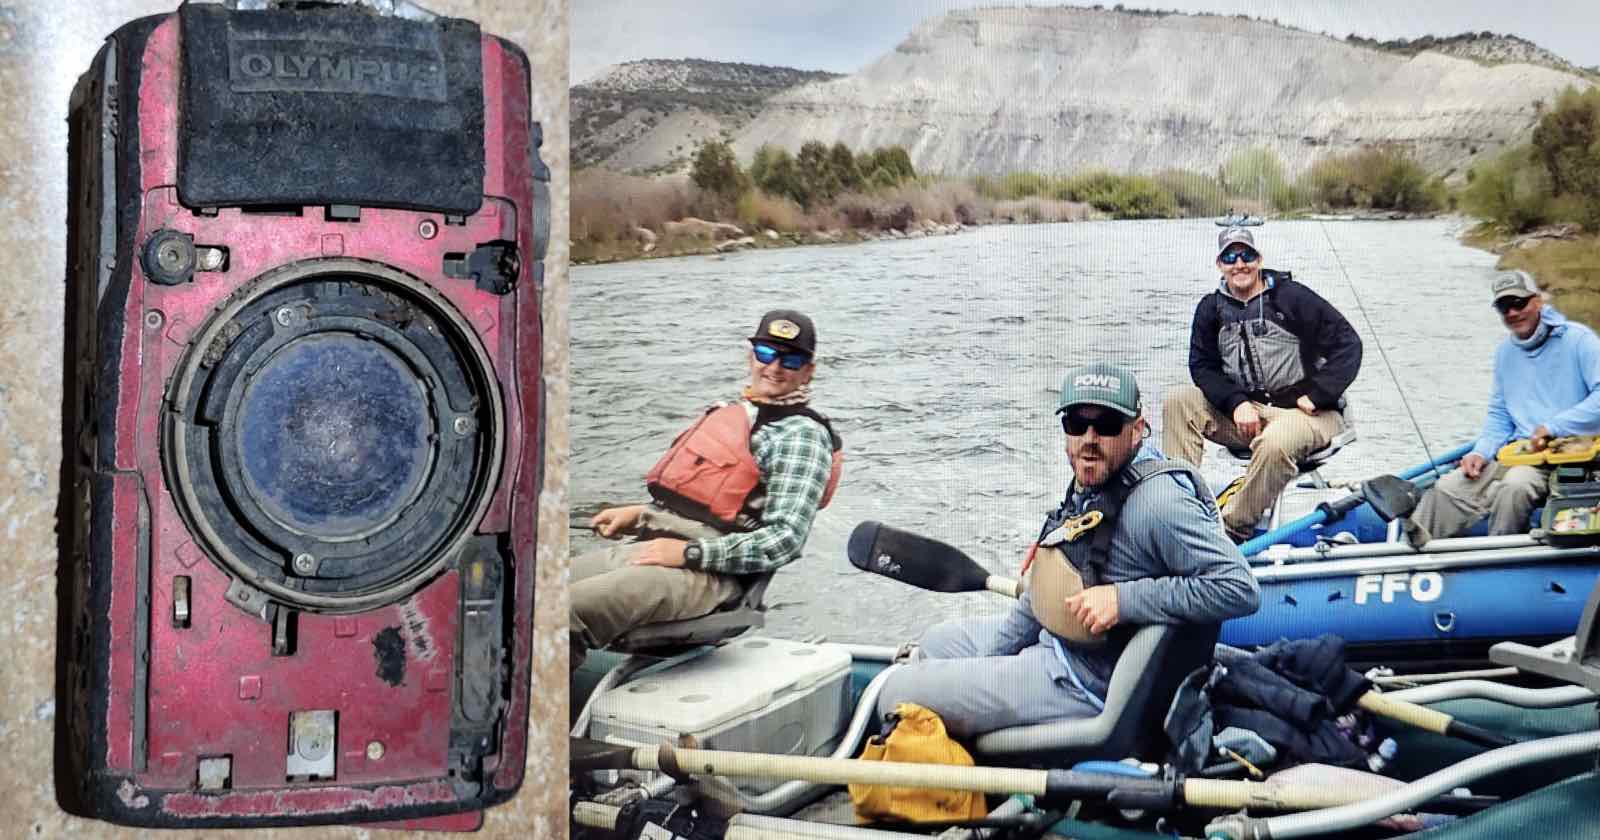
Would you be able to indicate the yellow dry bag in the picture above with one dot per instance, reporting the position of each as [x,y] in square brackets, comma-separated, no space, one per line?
[918,737]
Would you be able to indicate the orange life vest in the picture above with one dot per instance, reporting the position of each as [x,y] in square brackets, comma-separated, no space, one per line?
[709,473]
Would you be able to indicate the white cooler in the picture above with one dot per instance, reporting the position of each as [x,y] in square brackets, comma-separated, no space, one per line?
[753,694]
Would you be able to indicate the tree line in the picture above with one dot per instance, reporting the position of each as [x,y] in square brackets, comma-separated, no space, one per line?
[816,175]
[1553,178]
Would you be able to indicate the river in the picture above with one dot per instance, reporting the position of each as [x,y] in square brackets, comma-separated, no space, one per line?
[939,360]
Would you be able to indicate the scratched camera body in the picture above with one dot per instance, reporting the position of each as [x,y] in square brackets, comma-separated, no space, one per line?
[303,420]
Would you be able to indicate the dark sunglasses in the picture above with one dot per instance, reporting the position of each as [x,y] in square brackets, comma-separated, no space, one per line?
[1233,255]
[1106,424]
[765,353]
[1508,305]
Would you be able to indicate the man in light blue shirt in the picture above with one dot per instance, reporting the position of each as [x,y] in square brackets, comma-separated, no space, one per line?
[1546,385]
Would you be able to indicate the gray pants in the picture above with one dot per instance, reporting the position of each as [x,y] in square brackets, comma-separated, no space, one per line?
[1506,494]
[610,597]
[974,695]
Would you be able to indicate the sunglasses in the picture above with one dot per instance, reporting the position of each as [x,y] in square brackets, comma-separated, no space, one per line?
[1233,255]
[1510,305]
[1106,424]
[793,360]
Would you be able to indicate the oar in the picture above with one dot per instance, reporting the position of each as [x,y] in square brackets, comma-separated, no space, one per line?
[911,558]
[1329,511]
[923,562]
[1156,793]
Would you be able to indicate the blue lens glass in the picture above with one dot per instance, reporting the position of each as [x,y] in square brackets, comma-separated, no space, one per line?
[765,353]
[1235,255]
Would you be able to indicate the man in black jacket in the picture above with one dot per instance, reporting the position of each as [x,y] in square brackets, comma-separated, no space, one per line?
[1271,360]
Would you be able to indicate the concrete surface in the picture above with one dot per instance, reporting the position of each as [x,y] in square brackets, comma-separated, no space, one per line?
[44,46]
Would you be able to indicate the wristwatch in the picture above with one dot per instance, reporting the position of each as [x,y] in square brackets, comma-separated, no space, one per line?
[692,554]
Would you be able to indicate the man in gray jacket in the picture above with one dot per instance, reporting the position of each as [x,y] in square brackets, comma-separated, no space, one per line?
[1144,535]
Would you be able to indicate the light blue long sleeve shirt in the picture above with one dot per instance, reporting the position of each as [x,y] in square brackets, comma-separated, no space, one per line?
[1557,385]
[1171,563]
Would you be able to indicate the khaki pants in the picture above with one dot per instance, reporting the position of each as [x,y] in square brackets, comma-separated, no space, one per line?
[610,597]
[1506,494]
[1287,435]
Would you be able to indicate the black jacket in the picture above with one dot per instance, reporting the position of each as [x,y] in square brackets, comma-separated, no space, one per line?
[1330,349]
[1291,694]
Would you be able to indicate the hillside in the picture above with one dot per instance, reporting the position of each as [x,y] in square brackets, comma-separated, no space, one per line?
[1063,89]
[1485,47]
[649,115]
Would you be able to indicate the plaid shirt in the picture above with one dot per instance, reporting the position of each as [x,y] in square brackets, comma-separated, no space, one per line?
[795,456]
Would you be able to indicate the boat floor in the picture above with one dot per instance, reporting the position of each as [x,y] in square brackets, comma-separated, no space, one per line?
[1563,804]
[1566,810]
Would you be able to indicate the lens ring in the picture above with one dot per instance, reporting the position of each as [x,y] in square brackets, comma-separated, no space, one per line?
[430,502]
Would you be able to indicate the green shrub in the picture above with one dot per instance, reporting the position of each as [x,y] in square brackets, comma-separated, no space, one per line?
[845,168]
[716,171]
[1512,191]
[1021,185]
[1122,196]
[1383,177]
[1253,173]
[1196,194]
[1567,142]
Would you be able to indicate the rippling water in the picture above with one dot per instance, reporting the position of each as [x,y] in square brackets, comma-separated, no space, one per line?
[939,359]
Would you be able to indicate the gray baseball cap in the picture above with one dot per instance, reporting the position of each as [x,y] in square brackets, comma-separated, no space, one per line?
[1100,384]
[1517,284]
[1235,236]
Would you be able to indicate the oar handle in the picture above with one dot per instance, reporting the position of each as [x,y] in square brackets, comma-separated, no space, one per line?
[1431,720]
[1005,586]
[1229,795]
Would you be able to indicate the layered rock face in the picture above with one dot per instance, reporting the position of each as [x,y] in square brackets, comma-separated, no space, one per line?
[650,115]
[1064,89]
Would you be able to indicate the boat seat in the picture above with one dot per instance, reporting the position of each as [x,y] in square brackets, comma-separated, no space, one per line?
[1575,659]
[747,613]
[1143,683]
[1312,462]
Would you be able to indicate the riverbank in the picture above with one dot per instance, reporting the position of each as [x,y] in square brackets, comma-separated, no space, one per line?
[697,237]
[1564,260]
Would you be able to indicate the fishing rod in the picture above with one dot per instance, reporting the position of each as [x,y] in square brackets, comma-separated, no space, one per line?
[1329,511]
[1384,354]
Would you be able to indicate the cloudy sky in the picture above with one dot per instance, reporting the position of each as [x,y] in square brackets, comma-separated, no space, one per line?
[845,35]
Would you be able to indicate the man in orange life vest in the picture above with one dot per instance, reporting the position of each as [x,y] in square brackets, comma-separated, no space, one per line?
[734,498]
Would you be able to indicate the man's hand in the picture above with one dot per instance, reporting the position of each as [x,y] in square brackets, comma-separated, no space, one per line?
[1540,438]
[1248,420]
[1028,561]
[660,552]
[1472,466]
[612,523]
[1095,607]
[1305,404]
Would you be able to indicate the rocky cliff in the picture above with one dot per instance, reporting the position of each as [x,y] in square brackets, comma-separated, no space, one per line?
[1485,47]
[650,115]
[1061,89]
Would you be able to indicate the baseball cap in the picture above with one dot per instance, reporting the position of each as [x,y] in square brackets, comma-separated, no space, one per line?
[1100,384]
[1235,236]
[1513,284]
[787,328]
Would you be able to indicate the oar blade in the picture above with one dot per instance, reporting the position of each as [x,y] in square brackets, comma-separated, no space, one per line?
[923,562]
